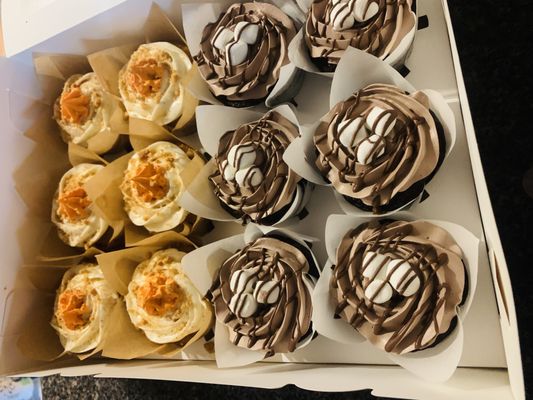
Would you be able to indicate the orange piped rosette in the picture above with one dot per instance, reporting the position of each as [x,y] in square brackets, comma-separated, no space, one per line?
[145,77]
[150,182]
[72,309]
[74,106]
[72,205]
[160,295]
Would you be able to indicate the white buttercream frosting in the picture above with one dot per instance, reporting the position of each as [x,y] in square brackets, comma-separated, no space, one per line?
[152,186]
[72,211]
[163,302]
[82,308]
[83,109]
[150,83]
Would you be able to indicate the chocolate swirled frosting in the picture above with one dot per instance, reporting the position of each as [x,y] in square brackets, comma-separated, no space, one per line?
[241,53]
[380,147]
[399,283]
[252,181]
[374,26]
[263,295]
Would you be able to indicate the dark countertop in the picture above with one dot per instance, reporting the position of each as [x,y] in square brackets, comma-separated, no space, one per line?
[494,39]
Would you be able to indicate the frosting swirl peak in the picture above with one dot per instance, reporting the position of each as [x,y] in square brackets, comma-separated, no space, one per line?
[241,54]
[374,26]
[380,147]
[72,210]
[252,180]
[263,295]
[82,307]
[399,283]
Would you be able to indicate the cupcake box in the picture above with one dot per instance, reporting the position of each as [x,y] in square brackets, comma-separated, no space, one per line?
[322,364]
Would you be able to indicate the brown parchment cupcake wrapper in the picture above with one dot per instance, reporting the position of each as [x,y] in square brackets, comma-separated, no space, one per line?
[104,188]
[124,341]
[52,71]
[37,179]
[39,340]
[157,28]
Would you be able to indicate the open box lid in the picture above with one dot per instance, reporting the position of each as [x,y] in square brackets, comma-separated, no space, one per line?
[27,23]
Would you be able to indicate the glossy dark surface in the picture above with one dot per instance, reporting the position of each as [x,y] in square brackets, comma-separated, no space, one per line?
[495,41]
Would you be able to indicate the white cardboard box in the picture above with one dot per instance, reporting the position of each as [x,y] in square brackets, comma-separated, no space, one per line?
[491,364]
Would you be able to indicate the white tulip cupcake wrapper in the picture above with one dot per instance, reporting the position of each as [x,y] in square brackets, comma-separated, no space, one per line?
[296,9]
[301,58]
[356,70]
[436,363]
[195,18]
[212,122]
[202,265]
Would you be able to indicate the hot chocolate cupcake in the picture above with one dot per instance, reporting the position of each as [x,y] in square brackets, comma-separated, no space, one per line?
[399,284]
[72,210]
[380,147]
[374,26]
[263,295]
[84,110]
[164,303]
[82,308]
[152,186]
[252,181]
[151,84]
[241,53]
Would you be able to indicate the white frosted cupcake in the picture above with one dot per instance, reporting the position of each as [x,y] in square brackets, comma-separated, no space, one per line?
[164,303]
[153,184]
[72,210]
[82,308]
[151,84]
[84,110]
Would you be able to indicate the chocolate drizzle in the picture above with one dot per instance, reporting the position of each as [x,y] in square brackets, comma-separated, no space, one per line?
[252,79]
[277,327]
[410,153]
[268,138]
[378,35]
[404,323]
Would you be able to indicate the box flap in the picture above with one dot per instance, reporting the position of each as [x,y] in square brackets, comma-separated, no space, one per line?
[500,272]
[27,23]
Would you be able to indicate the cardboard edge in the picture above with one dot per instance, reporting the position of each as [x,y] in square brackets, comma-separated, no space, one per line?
[509,327]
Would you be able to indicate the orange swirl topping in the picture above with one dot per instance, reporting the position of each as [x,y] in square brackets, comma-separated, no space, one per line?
[72,205]
[145,77]
[160,295]
[150,182]
[72,309]
[74,106]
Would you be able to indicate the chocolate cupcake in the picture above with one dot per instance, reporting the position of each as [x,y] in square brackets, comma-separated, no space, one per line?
[151,83]
[374,26]
[252,181]
[73,212]
[380,147]
[241,54]
[82,308]
[84,111]
[263,295]
[399,284]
